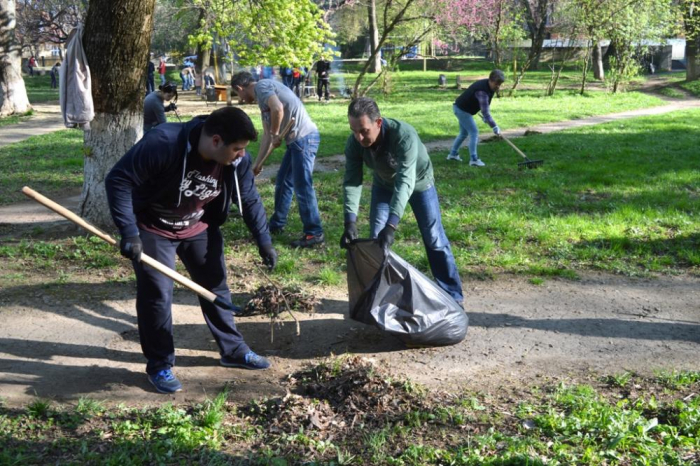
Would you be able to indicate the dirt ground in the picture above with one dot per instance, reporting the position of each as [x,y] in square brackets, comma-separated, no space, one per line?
[78,339]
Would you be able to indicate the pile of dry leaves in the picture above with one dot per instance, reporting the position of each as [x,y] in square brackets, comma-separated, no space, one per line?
[272,300]
[332,397]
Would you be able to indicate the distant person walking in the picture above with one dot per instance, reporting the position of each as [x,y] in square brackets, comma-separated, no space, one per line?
[161,71]
[31,65]
[323,76]
[150,77]
[54,74]
[477,97]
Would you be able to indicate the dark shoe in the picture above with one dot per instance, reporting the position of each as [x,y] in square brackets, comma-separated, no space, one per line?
[250,361]
[308,241]
[276,230]
[165,381]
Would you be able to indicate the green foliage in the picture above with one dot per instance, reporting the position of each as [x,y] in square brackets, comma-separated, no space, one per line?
[270,32]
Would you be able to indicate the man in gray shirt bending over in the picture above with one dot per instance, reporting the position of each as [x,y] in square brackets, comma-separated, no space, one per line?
[278,105]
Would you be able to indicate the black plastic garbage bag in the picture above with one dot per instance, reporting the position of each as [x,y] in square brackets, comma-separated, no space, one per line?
[395,297]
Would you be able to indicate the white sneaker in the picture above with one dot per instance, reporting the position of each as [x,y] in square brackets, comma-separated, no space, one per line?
[454,157]
[476,163]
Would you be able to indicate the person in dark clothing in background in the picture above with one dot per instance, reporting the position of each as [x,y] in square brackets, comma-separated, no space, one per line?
[154,107]
[477,97]
[150,77]
[323,77]
[54,74]
[168,196]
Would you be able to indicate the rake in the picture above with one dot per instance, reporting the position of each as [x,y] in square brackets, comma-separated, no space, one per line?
[164,269]
[527,163]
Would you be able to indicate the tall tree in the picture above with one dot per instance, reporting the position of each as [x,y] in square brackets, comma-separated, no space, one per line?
[266,32]
[691,26]
[47,21]
[116,41]
[415,18]
[13,94]
[375,65]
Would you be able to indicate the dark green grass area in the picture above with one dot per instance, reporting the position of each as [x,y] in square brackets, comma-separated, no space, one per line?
[621,197]
[693,87]
[39,89]
[51,164]
[353,413]
[14,119]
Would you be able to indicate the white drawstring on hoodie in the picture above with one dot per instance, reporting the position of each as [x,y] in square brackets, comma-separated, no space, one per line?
[235,164]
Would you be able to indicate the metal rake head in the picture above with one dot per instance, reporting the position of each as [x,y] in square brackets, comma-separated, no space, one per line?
[530,164]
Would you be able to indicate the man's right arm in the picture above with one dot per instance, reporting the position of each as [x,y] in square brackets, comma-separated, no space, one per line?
[133,169]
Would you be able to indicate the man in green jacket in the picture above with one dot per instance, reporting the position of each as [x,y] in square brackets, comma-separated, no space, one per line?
[403,173]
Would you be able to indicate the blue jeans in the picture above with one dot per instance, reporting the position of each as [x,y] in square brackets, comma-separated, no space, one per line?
[294,177]
[162,79]
[467,128]
[203,256]
[426,208]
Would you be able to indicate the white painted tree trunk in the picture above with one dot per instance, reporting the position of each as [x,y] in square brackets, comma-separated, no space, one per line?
[110,137]
[13,94]
[376,65]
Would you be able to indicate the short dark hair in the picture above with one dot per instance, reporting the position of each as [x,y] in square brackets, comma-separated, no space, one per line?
[364,106]
[242,79]
[231,124]
[497,76]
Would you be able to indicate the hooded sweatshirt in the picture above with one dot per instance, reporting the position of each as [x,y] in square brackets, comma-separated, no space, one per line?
[155,171]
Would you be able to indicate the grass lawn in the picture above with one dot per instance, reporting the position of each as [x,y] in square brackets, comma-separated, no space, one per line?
[355,414]
[39,89]
[608,197]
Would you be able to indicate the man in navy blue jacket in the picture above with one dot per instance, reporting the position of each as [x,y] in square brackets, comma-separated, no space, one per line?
[168,196]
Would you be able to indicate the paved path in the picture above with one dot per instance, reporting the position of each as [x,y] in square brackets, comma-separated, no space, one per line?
[46,119]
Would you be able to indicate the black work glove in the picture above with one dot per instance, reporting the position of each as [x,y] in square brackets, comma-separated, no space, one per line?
[131,247]
[171,107]
[268,255]
[349,235]
[386,238]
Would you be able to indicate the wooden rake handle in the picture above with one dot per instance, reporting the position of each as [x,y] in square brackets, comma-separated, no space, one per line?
[257,166]
[146,259]
[514,147]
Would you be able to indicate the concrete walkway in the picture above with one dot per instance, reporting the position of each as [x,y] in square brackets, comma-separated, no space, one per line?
[46,119]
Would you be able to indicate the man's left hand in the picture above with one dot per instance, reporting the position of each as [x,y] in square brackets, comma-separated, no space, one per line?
[276,140]
[386,238]
[268,255]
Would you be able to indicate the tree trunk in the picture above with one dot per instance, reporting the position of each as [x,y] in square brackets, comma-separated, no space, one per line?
[598,71]
[376,65]
[692,69]
[116,41]
[13,94]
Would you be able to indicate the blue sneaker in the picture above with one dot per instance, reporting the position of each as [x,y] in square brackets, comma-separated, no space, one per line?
[165,382]
[250,361]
